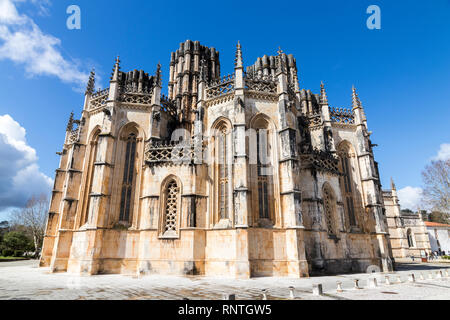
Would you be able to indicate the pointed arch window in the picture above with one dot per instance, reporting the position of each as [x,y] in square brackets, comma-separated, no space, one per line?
[128,178]
[262,170]
[171,208]
[410,239]
[346,183]
[223,173]
[263,177]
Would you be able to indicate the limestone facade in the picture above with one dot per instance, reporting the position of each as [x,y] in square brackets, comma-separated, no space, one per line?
[408,232]
[241,175]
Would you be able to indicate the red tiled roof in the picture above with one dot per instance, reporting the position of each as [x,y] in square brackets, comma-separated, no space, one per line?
[435,224]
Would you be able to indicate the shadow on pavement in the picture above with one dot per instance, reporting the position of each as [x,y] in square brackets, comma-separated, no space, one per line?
[403,266]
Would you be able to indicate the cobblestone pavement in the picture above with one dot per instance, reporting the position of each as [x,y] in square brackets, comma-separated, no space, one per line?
[23,280]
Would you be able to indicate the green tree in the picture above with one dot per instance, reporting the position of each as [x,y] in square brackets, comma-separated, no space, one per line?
[4,228]
[439,217]
[17,242]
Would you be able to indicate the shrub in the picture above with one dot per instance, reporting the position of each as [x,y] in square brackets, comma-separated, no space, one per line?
[18,253]
[18,241]
[7,252]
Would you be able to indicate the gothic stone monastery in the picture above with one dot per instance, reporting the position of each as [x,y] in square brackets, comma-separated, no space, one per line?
[241,175]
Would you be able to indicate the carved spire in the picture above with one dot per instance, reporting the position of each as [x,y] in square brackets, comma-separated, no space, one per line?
[116,70]
[355,99]
[323,94]
[91,83]
[70,123]
[158,75]
[281,61]
[238,61]
[392,184]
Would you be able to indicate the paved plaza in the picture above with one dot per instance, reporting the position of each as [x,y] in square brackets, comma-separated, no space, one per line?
[23,280]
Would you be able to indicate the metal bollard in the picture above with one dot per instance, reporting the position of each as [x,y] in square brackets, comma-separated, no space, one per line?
[317,289]
[339,286]
[264,294]
[421,276]
[412,277]
[372,282]
[291,293]
[229,297]
[388,281]
[357,284]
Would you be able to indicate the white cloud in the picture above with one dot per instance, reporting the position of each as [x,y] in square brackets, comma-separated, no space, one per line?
[444,152]
[20,177]
[42,6]
[410,198]
[23,42]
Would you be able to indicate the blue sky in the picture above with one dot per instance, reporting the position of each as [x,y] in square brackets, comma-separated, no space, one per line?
[401,72]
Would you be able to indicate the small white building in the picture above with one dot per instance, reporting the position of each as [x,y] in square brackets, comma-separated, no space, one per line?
[439,235]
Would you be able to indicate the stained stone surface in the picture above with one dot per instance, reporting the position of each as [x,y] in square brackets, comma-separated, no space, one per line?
[25,281]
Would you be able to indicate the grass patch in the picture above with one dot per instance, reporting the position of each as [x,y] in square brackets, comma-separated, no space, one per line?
[13,258]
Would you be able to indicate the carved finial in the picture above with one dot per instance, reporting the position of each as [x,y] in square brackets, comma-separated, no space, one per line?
[158,75]
[355,99]
[281,62]
[323,94]
[393,184]
[116,70]
[91,83]
[70,123]
[238,61]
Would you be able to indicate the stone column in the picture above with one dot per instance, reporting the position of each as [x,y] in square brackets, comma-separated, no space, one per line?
[289,164]
[290,195]
[240,170]
[68,206]
[370,183]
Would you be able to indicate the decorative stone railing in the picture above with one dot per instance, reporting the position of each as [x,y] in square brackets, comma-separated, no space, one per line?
[320,161]
[136,98]
[169,152]
[260,83]
[221,87]
[387,193]
[100,93]
[342,115]
[260,77]
[99,98]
